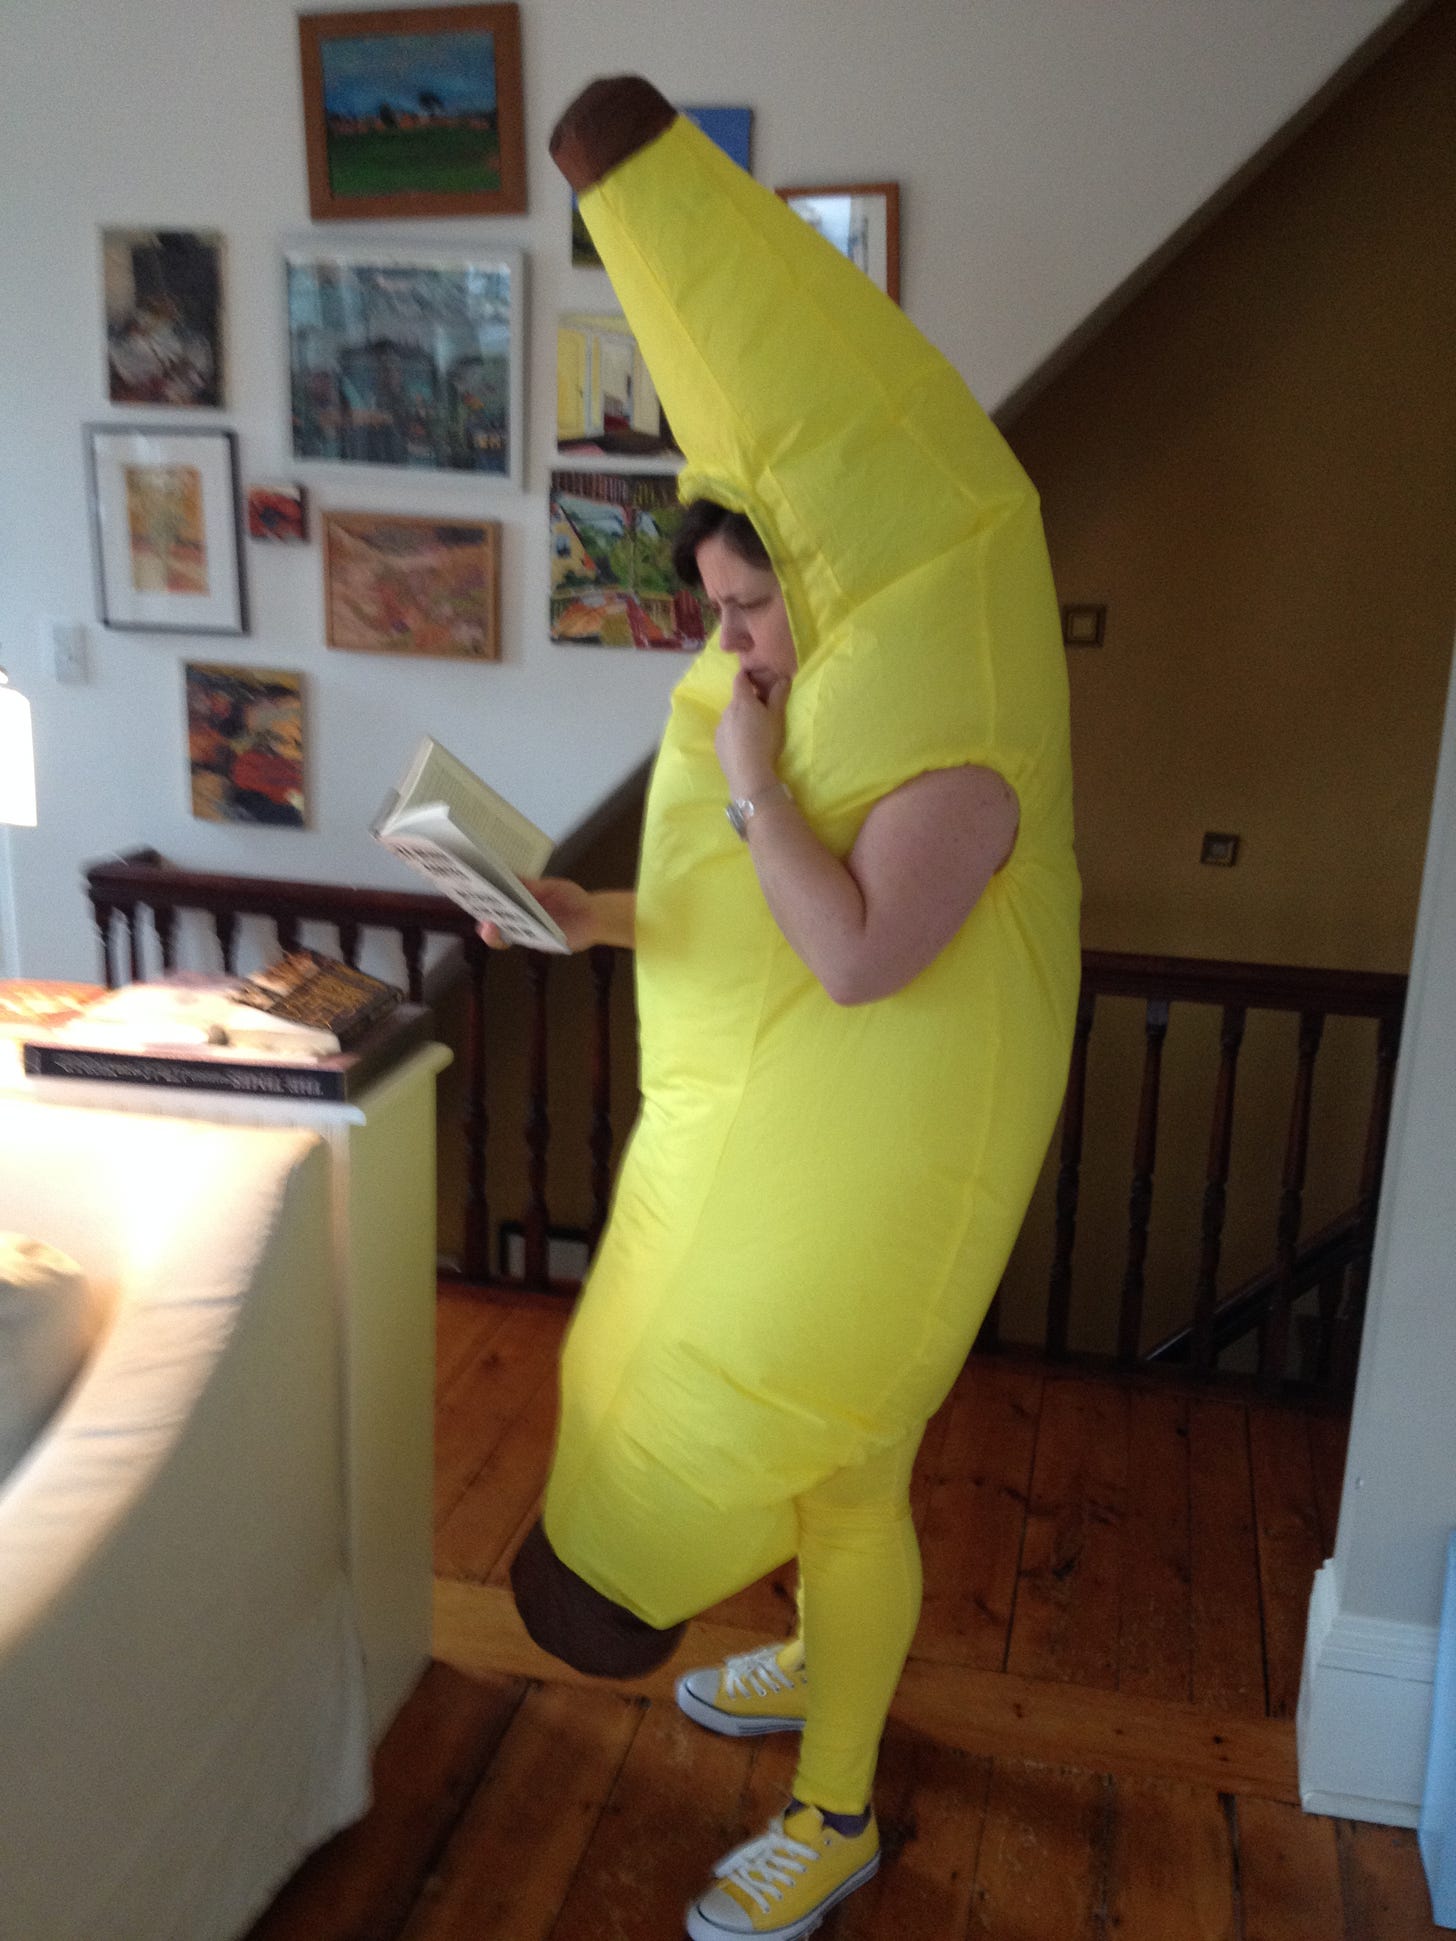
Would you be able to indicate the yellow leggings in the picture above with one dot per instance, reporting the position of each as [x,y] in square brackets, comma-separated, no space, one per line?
[859,1600]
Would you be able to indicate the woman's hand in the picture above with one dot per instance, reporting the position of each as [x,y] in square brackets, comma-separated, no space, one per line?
[568,905]
[750,735]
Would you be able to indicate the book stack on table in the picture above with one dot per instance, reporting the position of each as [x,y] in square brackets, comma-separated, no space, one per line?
[308,1027]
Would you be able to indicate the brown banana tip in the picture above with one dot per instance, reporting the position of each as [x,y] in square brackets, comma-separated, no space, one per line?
[608,122]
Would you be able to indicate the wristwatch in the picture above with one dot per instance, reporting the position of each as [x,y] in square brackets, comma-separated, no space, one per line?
[742,809]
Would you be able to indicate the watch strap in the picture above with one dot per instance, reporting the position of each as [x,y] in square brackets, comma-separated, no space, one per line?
[743,808]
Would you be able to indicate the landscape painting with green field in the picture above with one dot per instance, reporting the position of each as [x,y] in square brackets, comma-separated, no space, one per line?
[411,113]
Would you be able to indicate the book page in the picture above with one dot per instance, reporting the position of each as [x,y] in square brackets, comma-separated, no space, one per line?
[516,913]
[491,823]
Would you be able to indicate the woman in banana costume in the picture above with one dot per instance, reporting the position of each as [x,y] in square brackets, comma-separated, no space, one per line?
[855,1023]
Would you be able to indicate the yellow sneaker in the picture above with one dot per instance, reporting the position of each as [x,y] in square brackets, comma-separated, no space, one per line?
[758,1691]
[782,1884]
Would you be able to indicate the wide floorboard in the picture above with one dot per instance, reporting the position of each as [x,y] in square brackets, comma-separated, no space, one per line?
[1093,1738]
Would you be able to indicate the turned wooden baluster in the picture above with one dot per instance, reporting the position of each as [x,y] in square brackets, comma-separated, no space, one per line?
[348,934]
[1215,1191]
[164,922]
[412,942]
[1140,1200]
[476,1118]
[1069,1178]
[1338,1365]
[538,1127]
[1274,1335]
[603,964]
[134,943]
[225,924]
[103,913]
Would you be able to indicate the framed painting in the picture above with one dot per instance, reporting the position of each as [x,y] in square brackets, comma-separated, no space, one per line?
[606,402]
[407,357]
[163,295]
[862,220]
[278,512]
[245,744]
[412,586]
[414,111]
[612,583]
[164,512]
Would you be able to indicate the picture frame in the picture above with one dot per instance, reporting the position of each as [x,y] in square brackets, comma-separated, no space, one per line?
[606,402]
[278,512]
[416,586]
[246,746]
[612,579]
[162,291]
[167,540]
[411,358]
[414,111]
[861,219]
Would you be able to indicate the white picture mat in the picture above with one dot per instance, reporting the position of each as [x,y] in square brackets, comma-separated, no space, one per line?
[856,225]
[218,610]
[390,254]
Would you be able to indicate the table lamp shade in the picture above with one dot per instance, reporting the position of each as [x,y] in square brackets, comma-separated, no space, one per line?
[17,758]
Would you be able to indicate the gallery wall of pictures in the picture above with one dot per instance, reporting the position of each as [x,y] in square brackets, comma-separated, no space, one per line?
[406,368]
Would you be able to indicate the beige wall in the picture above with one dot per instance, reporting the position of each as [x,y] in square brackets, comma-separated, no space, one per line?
[1255,469]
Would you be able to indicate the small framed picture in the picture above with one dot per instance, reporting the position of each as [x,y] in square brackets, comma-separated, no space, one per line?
[606,402]
[612,582]
[408,357]
[278,513]
[412,586]
[414,111]
[163,294]
[245,746]
[862,220]
[164,510]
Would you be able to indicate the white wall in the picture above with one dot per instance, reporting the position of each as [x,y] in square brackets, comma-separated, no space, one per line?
[1045,148]
[1365,1702]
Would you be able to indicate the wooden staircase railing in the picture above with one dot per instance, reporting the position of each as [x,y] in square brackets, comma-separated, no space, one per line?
[1334,1260]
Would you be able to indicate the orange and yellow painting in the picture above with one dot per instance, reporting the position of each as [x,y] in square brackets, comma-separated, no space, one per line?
[164,516]
[412,586]
[245,744]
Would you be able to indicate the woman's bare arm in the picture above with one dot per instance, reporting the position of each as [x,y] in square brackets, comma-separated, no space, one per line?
[868,925]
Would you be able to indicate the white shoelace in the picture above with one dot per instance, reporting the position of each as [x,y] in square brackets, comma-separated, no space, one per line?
[764,1867]
[756,1673]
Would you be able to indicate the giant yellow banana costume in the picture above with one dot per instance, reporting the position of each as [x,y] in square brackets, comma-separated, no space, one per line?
[818,1201]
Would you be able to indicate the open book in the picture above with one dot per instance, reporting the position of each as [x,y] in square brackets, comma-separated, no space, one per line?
[471,843]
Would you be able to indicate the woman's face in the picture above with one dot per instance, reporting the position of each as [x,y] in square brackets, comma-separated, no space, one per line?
[752,621]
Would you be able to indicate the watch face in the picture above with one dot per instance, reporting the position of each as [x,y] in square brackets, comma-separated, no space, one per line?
[735,815]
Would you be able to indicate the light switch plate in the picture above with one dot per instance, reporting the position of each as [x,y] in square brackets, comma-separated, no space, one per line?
[70,650]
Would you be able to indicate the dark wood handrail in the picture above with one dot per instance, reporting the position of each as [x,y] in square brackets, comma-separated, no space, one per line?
[1335,1247]
[144,877]
[1336,1260]
[1258,987]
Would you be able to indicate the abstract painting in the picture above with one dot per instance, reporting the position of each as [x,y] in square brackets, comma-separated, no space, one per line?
[412,586]
[245,744]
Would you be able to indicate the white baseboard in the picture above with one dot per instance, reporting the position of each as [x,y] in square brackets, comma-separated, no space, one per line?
[1364,1719]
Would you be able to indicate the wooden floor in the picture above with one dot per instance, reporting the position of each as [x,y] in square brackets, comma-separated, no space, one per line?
[1093,1738]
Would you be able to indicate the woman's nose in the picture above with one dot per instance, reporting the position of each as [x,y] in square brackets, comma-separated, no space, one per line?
[732,633]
